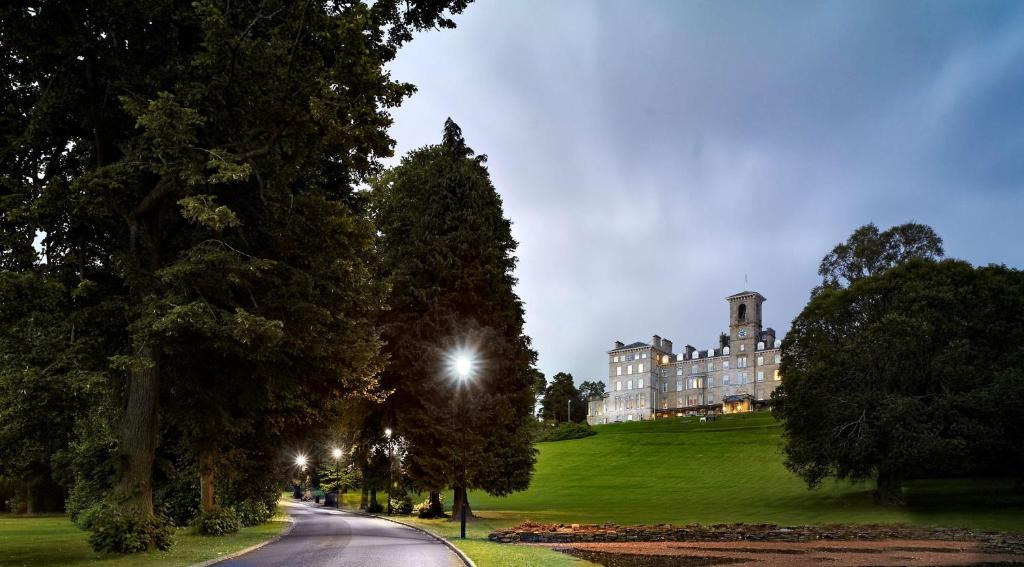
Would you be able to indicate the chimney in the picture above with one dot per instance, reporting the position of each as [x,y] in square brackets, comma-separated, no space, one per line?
[723,340]
[619,344]
[689,351]
[666,345]
[769,338]
[656,342]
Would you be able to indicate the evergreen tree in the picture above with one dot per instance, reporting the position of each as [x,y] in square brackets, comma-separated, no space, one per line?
[446,251]
[560,393]
[194,162]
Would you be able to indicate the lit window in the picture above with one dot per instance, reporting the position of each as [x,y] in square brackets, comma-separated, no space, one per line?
[644,355]
[629,369]
[640,368]
[743,348]
[664,359]
[618,371]
[777,377]
[615,359]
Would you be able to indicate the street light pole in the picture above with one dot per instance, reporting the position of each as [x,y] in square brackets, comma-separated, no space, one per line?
[336,453]
[387,433]
[568,410]
[463,369]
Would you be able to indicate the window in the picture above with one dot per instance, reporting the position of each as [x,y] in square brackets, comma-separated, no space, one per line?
[679,371]
[725,350]
[725,379]
[618,386]
[615,359]
[640,383]
[760,345]
[725,364]
[643,401]
[760,360]
[711,381]
[618,371]
[711,400]
[741,313]
[679,385]
[778,358]
[679,401]
[695,383]
[640,368]
[696,354]
[629,384]
[743,348]
[741,362]
[777,377]
[664,372]
[741,378]
[760,376]
[644,355]
[664,359]
[711,366]
[629,417]
[629,369]
[664,387]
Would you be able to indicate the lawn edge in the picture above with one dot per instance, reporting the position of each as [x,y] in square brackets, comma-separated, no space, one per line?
[287,530]
[462,555]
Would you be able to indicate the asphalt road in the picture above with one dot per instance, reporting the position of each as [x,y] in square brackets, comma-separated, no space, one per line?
[324,537]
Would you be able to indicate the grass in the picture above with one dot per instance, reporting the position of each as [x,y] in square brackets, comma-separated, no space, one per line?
[682,471]
[53,540]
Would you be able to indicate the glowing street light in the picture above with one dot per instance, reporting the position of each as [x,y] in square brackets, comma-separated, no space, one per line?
[300,461]
[336,453]
[461,364]
[387,433]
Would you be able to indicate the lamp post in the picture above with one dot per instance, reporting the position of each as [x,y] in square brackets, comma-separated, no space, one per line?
[300,461]
[463,370]
[387,433]
[336,453]
[568,410]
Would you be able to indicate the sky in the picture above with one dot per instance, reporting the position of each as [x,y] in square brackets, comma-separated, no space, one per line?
[656,157]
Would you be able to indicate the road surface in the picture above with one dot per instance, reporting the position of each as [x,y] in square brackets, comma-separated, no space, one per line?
[324,537]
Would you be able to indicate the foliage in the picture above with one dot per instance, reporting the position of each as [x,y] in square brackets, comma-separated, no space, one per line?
[446,252]
[560,392]
[217,522]
[374,508]
[401,504]
[592,390]
[426,510]
[113,531]
[563,431]
[906,374]
[869,252]
[87,517]
[176,160]
[253,512]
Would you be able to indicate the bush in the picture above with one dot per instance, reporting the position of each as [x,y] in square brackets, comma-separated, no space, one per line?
[115,532]
[401,505]
[564,431]
[252,512]
[218,522]
[86,518]
[374,508]
[423,510]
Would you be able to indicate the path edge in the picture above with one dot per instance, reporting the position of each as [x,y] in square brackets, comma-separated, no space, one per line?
[465,558]
[287,530]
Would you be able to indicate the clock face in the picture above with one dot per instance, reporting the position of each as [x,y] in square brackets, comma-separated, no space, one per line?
[742,333]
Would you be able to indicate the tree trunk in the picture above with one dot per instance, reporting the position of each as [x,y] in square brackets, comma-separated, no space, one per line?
[364,499]
[207,500]
[134,488]
[436,507]
[30,505]
[889,489]
[373,498]
[460,499]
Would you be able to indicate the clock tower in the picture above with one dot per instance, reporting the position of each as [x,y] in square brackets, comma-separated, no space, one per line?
[745,316]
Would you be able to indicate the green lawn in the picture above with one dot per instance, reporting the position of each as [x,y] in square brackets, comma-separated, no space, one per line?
[683,471]
[53,540]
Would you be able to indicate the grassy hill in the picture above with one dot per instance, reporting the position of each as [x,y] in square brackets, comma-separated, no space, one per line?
[683,471]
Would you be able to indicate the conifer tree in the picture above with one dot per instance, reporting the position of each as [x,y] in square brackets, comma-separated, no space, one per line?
[447,253]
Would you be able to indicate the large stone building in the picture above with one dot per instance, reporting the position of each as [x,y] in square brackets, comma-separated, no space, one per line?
[648,380]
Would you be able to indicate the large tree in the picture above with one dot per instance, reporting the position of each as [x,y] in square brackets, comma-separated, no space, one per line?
[198,159]
[909,373]
[446,251]
[868,252]
[560,394]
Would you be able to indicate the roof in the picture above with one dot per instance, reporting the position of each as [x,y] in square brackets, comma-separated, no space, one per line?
[735,398]
[746,293]
[631,345]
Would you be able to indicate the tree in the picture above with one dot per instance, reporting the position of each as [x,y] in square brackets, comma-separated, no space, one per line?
[869,252]
[446,252]
[906,374]
[559,394]
[196,163]
[592,390]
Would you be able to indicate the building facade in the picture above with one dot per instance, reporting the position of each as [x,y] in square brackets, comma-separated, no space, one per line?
[649,380]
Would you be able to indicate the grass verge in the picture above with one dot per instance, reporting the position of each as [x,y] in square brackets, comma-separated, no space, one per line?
[52,540]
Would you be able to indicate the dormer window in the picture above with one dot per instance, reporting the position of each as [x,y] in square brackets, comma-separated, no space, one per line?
[725,350]
[760,345]
[778,343]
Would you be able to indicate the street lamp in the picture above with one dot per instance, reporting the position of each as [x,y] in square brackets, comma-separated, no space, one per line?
[387,433]
[336,453]
[462,364]
[300,461]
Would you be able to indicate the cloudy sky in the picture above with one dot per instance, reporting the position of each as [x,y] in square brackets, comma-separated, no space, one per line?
[655,157]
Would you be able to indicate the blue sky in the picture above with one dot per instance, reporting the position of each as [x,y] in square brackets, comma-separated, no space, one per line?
[653,155]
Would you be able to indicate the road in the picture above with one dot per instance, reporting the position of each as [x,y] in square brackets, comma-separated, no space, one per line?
[324,537]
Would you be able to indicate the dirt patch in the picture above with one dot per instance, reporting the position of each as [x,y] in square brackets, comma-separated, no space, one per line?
[789,554]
